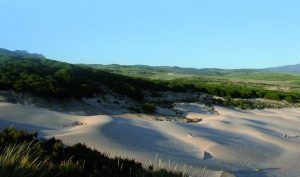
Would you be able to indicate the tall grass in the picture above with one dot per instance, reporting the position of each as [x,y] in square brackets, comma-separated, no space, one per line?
[186,170]
[22,160]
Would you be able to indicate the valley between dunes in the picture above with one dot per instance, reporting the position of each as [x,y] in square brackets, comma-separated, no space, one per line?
[243,143]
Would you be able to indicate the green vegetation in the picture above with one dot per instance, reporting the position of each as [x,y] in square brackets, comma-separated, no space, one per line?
[50,78]
[22,160]
[22,154]
[243,84]
[61,80]
[272,96]
[255,77]
[148,108]
[290,99]
[244,104]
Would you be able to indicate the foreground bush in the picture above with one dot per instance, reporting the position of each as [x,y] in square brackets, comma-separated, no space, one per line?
[22,154]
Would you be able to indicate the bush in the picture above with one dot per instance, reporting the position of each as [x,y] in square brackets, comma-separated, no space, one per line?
[290,99]
[272,96]
[149,108]
[13,136]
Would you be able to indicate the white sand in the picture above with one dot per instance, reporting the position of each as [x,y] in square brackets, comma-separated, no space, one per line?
[245,143]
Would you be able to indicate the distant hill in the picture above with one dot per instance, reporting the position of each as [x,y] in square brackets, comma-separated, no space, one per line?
[149,71]
[20,54]
[282,73]
[286,69]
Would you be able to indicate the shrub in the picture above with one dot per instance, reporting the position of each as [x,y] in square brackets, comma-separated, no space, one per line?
[290,99]
[149,108]
[272,96]
[70,168]
[13,136]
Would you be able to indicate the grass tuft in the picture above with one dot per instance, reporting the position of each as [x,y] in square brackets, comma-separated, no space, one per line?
[22,160]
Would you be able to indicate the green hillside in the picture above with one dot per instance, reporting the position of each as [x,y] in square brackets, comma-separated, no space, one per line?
[268,79]
[41,76]
[57,79]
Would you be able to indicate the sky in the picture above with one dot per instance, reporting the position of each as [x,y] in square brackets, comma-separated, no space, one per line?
[186,33]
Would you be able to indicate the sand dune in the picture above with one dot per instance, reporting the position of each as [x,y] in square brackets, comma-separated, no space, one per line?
[244,143]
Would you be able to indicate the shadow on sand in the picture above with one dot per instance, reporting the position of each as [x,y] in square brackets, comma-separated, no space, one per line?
[254,173]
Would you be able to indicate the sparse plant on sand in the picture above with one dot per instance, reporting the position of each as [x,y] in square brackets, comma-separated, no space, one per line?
[186,170]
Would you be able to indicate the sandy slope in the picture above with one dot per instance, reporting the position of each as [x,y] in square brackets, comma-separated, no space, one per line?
[245,143]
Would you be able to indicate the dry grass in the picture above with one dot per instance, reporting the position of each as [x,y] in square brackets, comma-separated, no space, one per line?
[22,161]
[172,166]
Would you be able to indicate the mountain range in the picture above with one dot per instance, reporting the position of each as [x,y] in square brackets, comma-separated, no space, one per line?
[287,69]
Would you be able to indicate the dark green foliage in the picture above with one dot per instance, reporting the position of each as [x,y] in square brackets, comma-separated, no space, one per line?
[149,108]
[61,80]
[272,96]
[52,157]
[290,99]
[239,103]
[13,136]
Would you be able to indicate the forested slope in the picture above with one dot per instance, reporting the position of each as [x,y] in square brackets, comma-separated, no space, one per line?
[41,76]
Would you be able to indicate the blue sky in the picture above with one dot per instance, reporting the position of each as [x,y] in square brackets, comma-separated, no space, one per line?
[188,33]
